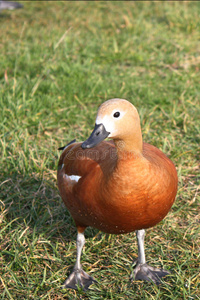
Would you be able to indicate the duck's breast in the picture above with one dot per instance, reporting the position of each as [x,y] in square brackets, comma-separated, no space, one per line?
[143,190]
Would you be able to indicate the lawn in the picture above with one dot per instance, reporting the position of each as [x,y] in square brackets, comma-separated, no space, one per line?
[58,62]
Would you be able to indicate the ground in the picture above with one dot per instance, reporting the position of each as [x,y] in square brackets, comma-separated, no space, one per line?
[59,62]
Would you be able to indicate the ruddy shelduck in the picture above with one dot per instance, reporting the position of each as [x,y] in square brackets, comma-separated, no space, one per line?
[118,186]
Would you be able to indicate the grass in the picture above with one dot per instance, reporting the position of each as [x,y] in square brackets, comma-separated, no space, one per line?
[59,62]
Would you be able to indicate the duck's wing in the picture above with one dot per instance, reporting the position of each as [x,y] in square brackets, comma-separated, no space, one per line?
[77,161]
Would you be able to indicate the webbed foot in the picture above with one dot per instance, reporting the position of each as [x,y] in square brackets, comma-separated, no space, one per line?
[78,278]
[146,272]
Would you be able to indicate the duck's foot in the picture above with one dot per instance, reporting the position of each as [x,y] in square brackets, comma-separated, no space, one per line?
[146,272]
[78,278]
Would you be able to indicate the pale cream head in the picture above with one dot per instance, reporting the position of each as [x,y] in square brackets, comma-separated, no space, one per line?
[121,119]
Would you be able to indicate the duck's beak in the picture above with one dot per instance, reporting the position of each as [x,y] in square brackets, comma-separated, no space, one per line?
[98,134]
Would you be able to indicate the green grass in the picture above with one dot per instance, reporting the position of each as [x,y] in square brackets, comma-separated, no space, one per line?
[58,62]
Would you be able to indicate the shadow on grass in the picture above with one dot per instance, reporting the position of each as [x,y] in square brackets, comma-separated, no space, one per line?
[38,235]
[35,201]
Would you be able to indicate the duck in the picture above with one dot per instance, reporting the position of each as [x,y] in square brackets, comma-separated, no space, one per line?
[116,185]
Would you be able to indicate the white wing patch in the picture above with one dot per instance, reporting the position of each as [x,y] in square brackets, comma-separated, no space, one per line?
[73,177]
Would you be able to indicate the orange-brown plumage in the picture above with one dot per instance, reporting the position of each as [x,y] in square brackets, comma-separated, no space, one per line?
[123,185]
[117,195]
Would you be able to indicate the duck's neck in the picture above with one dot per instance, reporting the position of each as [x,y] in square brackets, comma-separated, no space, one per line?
[131,145]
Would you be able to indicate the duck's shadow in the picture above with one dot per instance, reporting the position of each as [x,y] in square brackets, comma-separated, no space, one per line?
[34,202]
[33,213]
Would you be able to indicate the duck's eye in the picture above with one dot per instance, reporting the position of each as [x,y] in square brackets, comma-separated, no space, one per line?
[116,114]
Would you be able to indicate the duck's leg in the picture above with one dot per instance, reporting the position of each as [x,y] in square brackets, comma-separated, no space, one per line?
[78,277]
[142,270]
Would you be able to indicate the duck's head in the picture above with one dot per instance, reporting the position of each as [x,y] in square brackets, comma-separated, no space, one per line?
[117,119]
